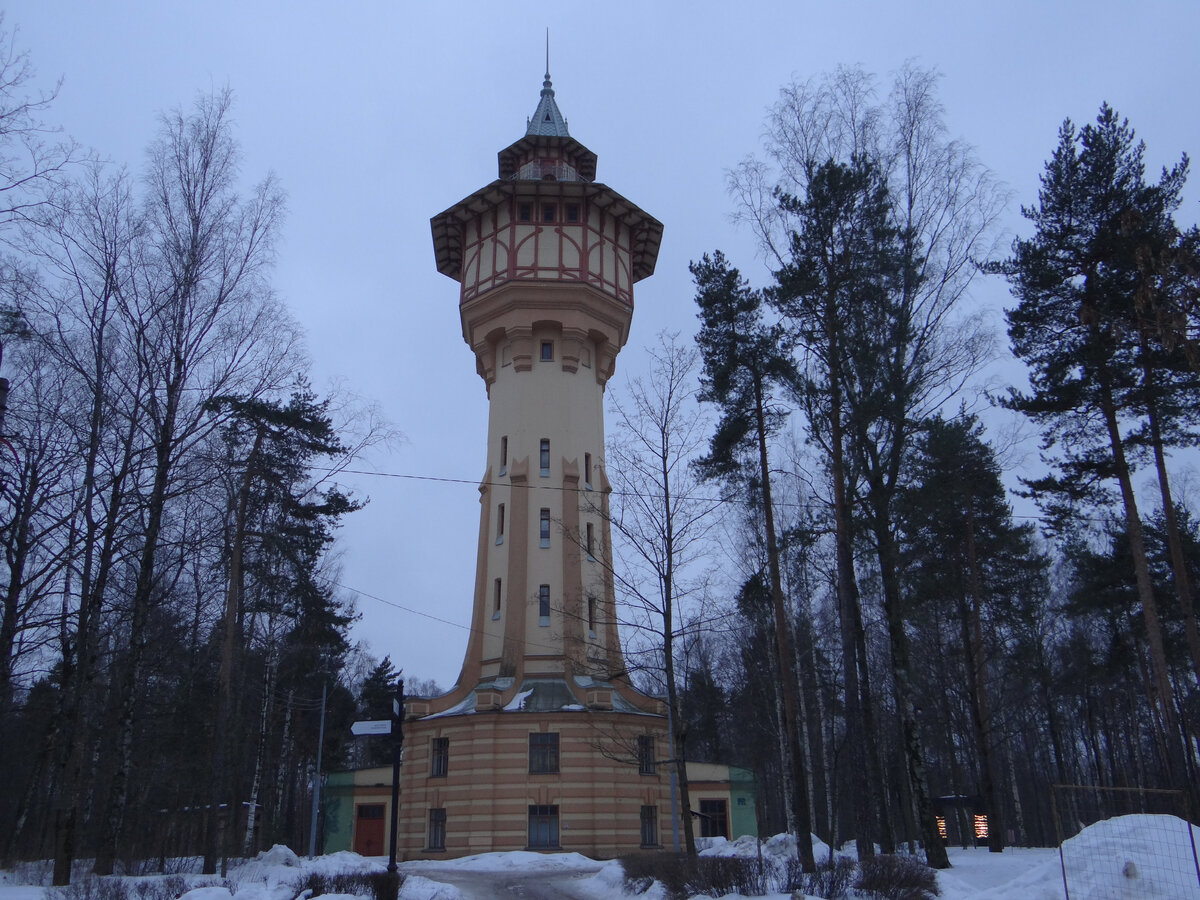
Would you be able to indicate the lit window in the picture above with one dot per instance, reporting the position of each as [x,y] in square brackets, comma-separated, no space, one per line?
[543,753]
[544,527]
[590,538]
[544,604]
[544,457]
[496,598]
[645,754]
[439,759]
[437,829]
[547,351]
[500,524]
[649,826]
[543,827]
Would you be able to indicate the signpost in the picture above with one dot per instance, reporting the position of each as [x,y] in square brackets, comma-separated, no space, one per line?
[397,755]
[373,726]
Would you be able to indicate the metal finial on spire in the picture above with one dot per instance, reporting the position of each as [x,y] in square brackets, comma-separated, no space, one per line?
[547,52]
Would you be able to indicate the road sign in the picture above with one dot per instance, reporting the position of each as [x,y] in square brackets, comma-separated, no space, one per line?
[377,726]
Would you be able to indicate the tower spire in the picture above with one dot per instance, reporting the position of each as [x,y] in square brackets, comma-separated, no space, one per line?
[547,120]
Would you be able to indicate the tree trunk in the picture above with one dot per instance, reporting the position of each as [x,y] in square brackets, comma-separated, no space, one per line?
[1169,734]
[981,717]
[783,640]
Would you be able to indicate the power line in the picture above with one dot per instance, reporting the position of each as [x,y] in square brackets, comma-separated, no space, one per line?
[792,504]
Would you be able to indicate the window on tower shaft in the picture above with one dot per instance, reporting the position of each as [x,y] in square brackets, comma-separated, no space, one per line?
[496,599]
[500,524]
[504,454]
[572,212]
[544,604]
[548,212]
[547,351]
[525,212]
[590,541]
[544,457]
[544,527]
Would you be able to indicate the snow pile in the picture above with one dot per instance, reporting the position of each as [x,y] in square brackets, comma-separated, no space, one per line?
[521,859]
[1141,856]
[777,849]
[213,892]
[279,855]
[609,883]
[416,887]
[344,862]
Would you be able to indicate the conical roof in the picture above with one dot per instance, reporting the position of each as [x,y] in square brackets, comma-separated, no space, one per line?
[547,120]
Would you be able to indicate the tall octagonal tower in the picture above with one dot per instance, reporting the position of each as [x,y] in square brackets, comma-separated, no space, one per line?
[543,742]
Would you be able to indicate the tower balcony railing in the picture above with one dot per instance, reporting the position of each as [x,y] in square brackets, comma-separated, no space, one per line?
[540,170]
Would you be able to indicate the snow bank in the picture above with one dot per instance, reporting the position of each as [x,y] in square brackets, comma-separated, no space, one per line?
[520,859]
[212,892]
[416,887]
[609,883]
[779,848]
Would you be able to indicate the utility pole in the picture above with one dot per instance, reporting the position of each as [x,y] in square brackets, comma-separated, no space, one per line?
[397,757]
[316,804]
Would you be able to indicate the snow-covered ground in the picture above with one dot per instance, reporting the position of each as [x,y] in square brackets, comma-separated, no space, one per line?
[1145,857]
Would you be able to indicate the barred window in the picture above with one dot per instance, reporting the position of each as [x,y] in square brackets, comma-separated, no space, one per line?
[437,829]
[439,759]
[543,826]
[645,754]
[543,753]
[649,826]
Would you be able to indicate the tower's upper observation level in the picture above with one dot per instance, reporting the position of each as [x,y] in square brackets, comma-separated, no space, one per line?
[545,219]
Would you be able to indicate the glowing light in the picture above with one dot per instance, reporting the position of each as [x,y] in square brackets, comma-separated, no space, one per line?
[941,826]
[981,826]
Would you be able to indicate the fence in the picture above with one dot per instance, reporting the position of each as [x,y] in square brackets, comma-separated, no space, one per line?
[1125,842]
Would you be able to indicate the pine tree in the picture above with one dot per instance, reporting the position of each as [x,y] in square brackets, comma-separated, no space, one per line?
[1076,327]
[963,551]
[745,362]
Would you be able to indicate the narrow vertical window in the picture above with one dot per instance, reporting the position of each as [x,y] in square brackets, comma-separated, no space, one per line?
[590,538]
[496,599]
[645,749]
[544,527]
[439,757]
[500,524]
[437,829]
[649,826]
[548,212]
[543,604]
[572,212]
[587,471]
[504,454]
[592,616]
[544,456]
[525,212]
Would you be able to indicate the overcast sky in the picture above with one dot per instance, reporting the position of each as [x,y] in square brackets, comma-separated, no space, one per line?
[378,115]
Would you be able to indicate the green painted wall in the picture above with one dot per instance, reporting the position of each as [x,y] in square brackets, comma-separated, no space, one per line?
[742,816]
[338,800]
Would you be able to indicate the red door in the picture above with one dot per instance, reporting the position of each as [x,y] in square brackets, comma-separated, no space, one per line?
[368,829]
